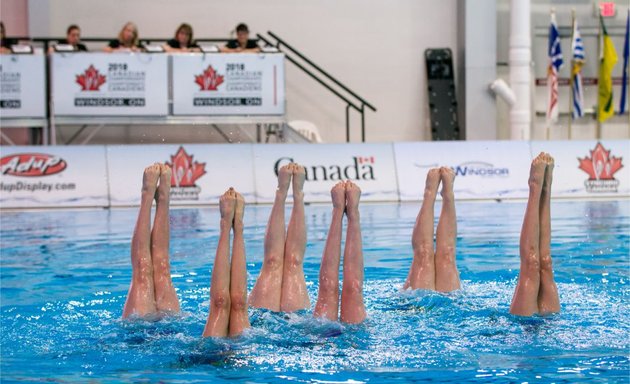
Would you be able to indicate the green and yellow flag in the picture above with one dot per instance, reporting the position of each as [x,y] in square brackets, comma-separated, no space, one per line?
[605,93]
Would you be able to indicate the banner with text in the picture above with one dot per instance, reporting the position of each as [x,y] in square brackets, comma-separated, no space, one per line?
[483,169]
[22,86]
[110,84]
[228,84]
[588,168]
[201,173]
[53,177]
[370,166]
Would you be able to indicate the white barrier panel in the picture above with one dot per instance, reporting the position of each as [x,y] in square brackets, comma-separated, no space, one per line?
[201,173]
[57,177]
[588,168]
[110,84]
[370,166]
[228,84]
[484,169]
[22,86]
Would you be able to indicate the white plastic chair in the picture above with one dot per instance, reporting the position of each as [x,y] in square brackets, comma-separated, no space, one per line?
[307,129]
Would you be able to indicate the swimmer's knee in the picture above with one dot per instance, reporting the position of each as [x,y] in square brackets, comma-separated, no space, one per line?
[221,300]
[293,260]
[327,285]
[273,262]
[531,262]
[545,262]
[353,286]
[423,251]
[238,301]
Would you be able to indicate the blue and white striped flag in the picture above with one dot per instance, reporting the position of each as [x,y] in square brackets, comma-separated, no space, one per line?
[624,82]
[576,72]
[555,63]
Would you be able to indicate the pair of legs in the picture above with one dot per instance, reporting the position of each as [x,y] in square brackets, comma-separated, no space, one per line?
[151,290]
[345,199]
[435,270]
[281,285]
[536,290]
[228,287]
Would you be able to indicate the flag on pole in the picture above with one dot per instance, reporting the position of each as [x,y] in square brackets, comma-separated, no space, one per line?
[605,108]
[555,63]
[624,82]
[577,47]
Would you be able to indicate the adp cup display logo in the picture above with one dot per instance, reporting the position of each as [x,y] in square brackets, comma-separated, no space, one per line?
[185,171]
[32,164]
[91,79]
[601,168]
[359,168]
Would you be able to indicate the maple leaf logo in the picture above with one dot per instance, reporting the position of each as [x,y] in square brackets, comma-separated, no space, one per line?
[185,170]
[91,80]
[600,166]
[209,80]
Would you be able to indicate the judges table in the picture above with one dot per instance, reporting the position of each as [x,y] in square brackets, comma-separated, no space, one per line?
[23,92]
[156,88]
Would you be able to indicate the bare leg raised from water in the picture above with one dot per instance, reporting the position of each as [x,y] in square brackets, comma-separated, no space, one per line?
[328,295]
[446,274]
[548,300]
[267,291]
[422,271]
[220,305]
[525,299]
[141,295]
[165,296]
[239,318]
[352,307]
[294,294]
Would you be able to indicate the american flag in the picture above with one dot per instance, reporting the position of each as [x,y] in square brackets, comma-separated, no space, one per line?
[555,63]
[578,61]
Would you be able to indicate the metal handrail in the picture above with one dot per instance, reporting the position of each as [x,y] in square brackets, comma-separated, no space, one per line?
[330,77]
[361,109]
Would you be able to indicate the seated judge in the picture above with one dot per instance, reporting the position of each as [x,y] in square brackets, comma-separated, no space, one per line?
[73,38]
[242,43]
[183,40]
[127,40]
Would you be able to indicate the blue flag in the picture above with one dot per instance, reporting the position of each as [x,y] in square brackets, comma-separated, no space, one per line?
[577,46]
[555,62]
[624,81]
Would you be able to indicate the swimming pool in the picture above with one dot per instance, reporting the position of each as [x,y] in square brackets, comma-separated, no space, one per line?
[65,275]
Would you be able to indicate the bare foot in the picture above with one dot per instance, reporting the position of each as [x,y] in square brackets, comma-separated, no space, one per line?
[353,194]
[338,195]
[239,209]
[284,178]
[164,187]
[447,177]
[432,183]
[537,171]
[227,205]
[150,179]
[299,176]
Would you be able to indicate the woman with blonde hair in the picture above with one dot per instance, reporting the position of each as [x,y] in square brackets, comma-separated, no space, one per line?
[127,40]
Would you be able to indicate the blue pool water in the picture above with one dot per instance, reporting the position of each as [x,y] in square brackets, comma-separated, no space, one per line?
[65,275]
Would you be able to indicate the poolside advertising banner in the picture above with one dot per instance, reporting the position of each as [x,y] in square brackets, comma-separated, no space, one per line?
[228,84]
[33,177]
[483,169]
[588,168]
[110,84]
[370,166]
[201,172]
[22,86]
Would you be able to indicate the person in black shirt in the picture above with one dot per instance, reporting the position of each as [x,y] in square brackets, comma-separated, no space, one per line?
[127,40]
[242,43]
[73,37]
[183,40]
[5,44]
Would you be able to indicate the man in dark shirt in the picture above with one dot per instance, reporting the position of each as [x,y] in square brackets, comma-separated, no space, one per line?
[73,37]
[242,43]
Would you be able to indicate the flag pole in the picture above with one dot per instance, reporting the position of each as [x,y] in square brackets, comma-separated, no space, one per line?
[598,132]
[547,132]
[571,76]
